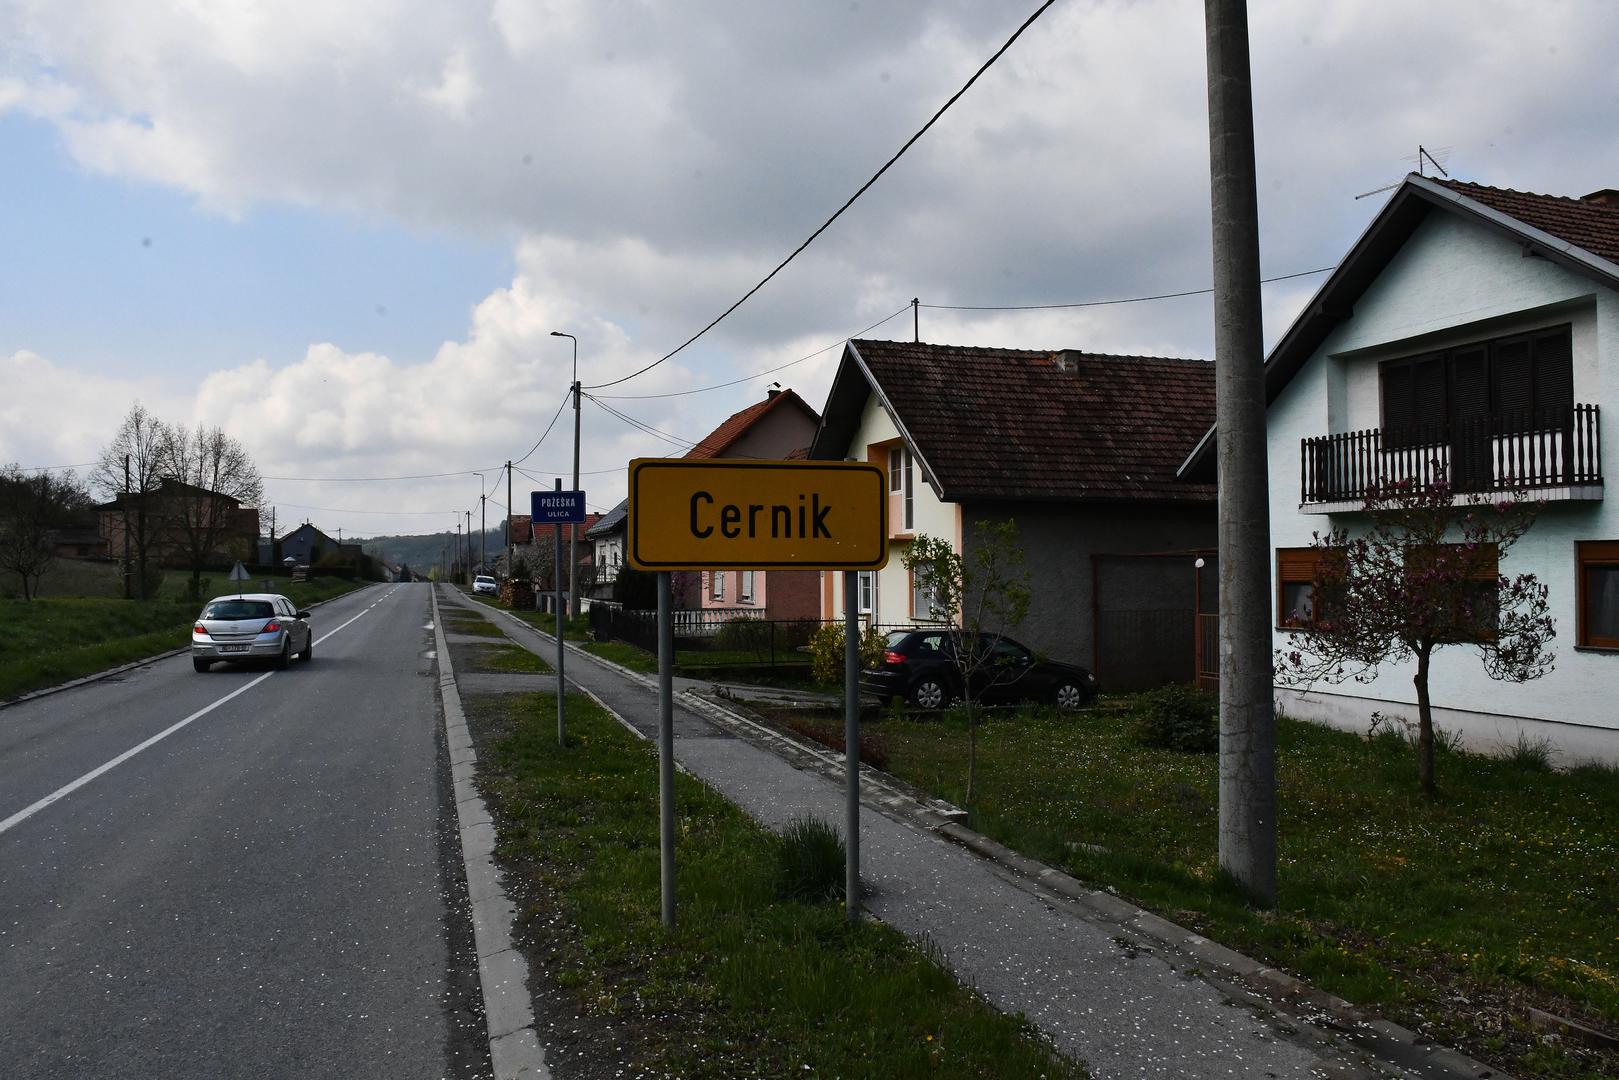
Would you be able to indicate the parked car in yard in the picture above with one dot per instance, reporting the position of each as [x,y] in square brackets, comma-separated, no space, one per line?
[483,583]
[252,626]
[920,666]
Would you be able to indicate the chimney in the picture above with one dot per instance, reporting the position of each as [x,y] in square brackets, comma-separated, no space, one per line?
[1602,197]
[775,388]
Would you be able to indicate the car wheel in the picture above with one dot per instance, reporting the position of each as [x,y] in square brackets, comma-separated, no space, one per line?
[928,693]
[200,665]
[309,648]
[1069,695]
[284,661]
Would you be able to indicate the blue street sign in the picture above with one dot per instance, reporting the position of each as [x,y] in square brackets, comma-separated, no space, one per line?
[557,507]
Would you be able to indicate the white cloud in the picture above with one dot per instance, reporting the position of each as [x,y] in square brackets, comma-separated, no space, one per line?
[651,161]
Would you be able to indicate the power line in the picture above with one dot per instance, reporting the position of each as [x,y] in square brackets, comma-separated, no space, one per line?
[378,479]
[851,200]
[347,510]
[674,440]
[56,468]
[1105,303]
[757,375]
[560,406]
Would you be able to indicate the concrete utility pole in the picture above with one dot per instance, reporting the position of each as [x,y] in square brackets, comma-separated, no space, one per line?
[1247,718]
[508,519]
[468,514]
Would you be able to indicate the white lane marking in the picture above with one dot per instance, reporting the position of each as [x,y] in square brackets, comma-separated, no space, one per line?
[69,788]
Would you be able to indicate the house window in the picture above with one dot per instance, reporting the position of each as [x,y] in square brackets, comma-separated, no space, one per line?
[924,602]
[896,469]
[717,590]
[1296,573]
[866,592]
[744,588]
[910,493]
[1599,593]
[1501,386]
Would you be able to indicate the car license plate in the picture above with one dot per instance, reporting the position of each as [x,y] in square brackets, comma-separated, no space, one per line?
[233,648]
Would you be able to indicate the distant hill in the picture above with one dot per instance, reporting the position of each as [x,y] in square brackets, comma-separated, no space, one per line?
[422,553]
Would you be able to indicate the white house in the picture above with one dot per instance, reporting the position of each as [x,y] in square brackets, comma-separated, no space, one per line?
[1479,327]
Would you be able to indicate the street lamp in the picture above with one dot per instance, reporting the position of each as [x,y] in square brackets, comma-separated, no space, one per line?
[573,559]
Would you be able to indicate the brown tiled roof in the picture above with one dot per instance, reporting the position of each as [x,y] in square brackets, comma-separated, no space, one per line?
[522,528]
[1021,424]
[1591,225]
[716,442]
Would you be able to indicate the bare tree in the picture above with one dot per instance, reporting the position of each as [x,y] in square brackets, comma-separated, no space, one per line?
[130,470]
[34,508]
[223,479]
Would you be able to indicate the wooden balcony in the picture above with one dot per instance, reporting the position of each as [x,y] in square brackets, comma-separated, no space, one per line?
[1555,453]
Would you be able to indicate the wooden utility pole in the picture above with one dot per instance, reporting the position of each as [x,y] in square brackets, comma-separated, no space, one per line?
[1247,718]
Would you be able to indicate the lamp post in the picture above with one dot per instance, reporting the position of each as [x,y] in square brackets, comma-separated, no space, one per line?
[573,531]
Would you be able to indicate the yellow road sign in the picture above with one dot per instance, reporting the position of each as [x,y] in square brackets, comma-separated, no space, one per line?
[757,515]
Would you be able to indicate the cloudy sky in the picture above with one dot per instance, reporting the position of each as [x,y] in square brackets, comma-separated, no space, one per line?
[344,231]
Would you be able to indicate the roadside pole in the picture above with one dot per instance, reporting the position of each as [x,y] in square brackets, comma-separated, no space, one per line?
[666,744]
[851,744]
[1247,717]
[562,708]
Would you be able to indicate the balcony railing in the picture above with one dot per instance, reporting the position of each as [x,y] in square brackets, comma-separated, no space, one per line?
[1550,448]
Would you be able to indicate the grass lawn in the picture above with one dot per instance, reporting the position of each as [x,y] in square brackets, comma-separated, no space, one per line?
[506,659]
[577,628]
[471,625]
[747,984]
[1451,916]
[56,639]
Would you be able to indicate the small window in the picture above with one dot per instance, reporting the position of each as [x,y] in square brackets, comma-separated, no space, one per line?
[717,591]
[924,602]
[1599,593]
[866,592]
[1296,572]
[744,588]
[910,493]
[896,469]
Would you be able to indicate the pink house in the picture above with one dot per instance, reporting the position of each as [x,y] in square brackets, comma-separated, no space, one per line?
[780,427]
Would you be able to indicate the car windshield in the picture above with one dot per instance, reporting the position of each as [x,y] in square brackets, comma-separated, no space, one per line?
[238,609]
[484,579]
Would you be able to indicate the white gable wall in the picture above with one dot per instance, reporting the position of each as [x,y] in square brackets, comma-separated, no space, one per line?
[1457,281]
[930,515]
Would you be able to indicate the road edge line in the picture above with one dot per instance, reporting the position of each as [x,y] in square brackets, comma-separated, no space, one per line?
[515,1052]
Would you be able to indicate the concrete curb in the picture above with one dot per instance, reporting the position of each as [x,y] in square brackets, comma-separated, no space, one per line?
[514,1044]
[133,664]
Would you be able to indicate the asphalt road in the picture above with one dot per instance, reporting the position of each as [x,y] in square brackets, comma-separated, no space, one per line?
[265,887]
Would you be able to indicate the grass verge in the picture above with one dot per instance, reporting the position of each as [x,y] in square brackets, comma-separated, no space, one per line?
[1453,915]
[54,640]
[748,984]
[504,660]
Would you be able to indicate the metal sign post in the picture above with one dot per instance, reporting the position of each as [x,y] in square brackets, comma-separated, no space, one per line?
[562,706]
[559,508]
[771,515]
[666,745]
[851,743]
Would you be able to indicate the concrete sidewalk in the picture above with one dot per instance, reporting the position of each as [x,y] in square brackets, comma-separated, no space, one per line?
[1078,964]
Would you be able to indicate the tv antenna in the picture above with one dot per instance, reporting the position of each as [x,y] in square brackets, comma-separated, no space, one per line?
[1422,160]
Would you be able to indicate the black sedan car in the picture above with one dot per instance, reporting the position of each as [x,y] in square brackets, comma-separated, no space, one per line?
[920,666]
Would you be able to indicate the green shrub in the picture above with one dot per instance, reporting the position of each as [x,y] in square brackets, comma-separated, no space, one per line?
[1178,718]
[809,861]
[826,652]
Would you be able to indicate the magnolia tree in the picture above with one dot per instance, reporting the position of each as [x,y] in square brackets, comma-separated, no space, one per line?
[975,594]
[1425,576]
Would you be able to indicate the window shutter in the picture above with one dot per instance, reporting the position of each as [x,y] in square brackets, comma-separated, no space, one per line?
[1428,393]
[1554,375]
[1397,417]
[1513,383]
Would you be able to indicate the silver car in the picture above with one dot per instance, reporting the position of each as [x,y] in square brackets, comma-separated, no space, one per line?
[485,584]
[252,626]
